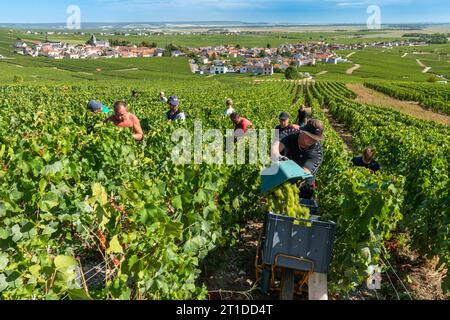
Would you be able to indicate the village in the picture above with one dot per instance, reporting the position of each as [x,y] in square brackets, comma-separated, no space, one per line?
[211,60]
[267,61]
[93,49]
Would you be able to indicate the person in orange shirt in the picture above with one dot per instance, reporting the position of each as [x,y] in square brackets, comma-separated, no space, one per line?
[124,119]
[241,123]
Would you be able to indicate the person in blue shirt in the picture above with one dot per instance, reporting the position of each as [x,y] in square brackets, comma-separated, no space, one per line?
[367,160]
[97,107]
[174,113]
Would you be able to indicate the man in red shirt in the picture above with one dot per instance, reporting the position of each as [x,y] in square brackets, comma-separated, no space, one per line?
[241,123]
[124,119]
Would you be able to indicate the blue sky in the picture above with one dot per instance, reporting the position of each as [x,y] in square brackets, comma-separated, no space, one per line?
[294,11]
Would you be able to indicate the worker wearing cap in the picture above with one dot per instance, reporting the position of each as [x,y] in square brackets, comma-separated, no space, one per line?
[97,107]
[284,124]
[304,148]
[174,113]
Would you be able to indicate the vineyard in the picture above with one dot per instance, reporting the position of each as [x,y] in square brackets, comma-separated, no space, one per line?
[431,96]
[414,149]
[87,213]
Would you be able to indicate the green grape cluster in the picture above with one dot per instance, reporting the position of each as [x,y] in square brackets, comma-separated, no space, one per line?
[286,200]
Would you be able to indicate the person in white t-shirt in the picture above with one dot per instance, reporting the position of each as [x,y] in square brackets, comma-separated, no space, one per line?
[230,109]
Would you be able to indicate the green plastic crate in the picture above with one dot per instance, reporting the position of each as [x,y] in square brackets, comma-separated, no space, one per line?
[280,173]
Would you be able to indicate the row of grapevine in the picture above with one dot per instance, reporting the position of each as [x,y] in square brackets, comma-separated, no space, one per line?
[433,96]
[415,149]
[71,186]
[366,207]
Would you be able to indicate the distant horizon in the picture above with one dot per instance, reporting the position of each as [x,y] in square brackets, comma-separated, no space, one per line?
[305,12]
[224,23]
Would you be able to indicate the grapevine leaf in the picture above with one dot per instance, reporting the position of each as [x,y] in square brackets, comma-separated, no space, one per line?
[236,204]
[174,228]
[194,245]
[53,168]
[78,295]
[35,270]
[177,203]
[4,233]
[48,230]
[3,283]
[65,262]
[17,234]
[50,201]
[200,197]
[4,260]
[2,209]
[114,246]
[99,193]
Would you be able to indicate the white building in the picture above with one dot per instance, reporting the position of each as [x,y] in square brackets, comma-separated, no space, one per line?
[203,60]
[20,44]
[258,68]
[159,52]
[101,44]
[219,67]
[335,60]
[177,53]
[243,69]
[305,62]
[69,55]
[268,69]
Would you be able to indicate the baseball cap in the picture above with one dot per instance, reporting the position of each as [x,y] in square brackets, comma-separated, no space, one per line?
[314,129]
[173,101]
[95,105]
[284,116]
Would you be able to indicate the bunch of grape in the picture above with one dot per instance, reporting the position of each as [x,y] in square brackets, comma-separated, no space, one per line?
[286,200]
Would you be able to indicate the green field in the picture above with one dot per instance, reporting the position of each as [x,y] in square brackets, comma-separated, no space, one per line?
[33,69]
[376,64]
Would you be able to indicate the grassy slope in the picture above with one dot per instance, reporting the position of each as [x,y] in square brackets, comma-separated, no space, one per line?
[375,64]
[386,64]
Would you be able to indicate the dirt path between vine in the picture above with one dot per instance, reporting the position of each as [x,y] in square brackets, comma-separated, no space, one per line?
[420,63]
[345,134]
[421,277]
[229,273]
[353,69]
[130,69]
[411,108]
[425,68]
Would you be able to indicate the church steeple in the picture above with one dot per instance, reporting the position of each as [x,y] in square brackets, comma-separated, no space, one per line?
[92,41]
